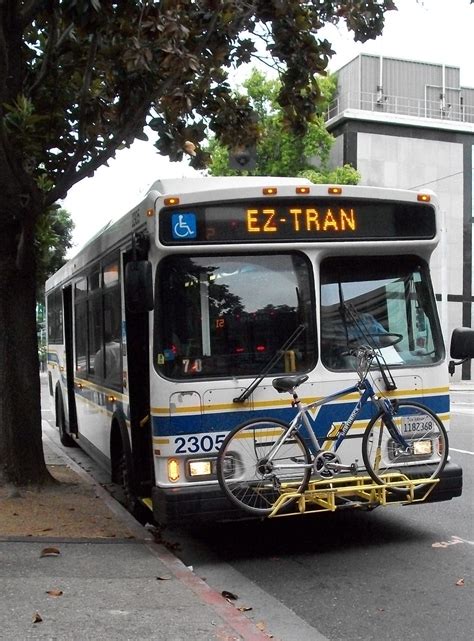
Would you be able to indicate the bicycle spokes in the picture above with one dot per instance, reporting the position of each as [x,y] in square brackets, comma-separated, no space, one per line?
[250,476]
[412,441]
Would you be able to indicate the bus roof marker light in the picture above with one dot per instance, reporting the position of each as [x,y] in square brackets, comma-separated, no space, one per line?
[302,190]
[150,213]
[173,470]
[335,191]
[171,200]
[269,191]
[424,198]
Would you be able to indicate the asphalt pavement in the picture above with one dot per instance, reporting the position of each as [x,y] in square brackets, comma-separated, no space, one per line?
[109,589]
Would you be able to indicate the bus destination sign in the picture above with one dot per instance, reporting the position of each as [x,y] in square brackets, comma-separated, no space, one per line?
[297,220]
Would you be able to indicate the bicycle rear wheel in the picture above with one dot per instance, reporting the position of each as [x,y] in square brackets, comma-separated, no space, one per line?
[245,474]
[425,435]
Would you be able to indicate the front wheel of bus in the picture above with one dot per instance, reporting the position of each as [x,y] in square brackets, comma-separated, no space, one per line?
[65,438]
[387,460]
[252,481]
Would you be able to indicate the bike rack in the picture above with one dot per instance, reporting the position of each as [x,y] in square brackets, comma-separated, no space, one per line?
[349,492]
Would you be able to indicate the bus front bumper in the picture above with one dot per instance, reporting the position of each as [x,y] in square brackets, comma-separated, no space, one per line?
[185,505]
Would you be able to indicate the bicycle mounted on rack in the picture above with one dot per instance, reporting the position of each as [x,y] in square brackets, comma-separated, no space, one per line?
[266,465]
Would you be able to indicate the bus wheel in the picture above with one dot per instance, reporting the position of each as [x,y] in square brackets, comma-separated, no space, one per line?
[128,497]
[65,438]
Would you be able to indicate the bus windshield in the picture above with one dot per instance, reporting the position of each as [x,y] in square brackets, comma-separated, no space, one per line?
[384,302]
[221,316]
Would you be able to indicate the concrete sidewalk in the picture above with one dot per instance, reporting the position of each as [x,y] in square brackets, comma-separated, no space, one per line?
[108,589]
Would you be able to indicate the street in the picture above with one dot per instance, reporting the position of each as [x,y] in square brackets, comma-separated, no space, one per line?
[391,574]
[394,573]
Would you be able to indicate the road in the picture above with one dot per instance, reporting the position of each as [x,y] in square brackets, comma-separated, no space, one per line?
[396,573]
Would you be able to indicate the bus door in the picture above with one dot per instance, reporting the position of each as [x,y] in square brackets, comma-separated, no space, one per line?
[69,349]
[137,334]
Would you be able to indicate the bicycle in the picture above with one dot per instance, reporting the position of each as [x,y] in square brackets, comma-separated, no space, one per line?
[262,456]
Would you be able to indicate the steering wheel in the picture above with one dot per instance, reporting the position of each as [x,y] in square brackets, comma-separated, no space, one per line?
[387,339]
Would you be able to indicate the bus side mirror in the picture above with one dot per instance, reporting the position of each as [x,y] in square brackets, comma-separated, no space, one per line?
[462,347]
[138,286]
[462,343]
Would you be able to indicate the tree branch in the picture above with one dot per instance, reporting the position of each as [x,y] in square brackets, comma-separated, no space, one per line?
[50,46]
[86,85]
[72,175]
[3,60]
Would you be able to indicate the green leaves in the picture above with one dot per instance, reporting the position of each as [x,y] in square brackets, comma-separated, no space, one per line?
[281,151]
[88,74]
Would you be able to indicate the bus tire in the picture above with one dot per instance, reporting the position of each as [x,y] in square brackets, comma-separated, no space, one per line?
[122,472]
[65,438]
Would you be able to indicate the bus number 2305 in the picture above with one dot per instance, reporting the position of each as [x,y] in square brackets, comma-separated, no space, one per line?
[194,444]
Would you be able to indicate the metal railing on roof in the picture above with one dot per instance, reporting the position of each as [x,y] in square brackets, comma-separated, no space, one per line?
[415,107]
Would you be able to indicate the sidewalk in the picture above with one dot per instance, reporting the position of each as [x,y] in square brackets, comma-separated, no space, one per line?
[103,578]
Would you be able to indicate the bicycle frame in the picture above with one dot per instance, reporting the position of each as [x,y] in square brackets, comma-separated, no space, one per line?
[367,394]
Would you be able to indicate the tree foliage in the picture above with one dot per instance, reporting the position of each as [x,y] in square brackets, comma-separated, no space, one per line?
[279,151]
[81,78]
[53,239]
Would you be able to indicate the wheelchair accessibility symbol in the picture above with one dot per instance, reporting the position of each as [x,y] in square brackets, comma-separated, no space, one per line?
[184,225]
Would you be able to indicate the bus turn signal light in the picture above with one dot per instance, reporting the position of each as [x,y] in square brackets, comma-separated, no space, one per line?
[173,470]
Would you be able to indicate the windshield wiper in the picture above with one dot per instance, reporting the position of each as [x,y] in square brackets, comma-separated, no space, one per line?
[276,357]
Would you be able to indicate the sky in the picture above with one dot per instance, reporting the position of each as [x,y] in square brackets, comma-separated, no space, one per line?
[421,30]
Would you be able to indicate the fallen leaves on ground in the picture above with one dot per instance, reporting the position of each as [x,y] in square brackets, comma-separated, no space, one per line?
[49,552]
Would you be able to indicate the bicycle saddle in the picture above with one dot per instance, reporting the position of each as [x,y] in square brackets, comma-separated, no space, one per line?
[287,383]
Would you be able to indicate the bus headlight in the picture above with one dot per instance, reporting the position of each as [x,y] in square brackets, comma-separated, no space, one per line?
[422,448]
[200,467]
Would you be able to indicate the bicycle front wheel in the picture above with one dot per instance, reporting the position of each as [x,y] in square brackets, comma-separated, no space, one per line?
[248,477]
[427,442]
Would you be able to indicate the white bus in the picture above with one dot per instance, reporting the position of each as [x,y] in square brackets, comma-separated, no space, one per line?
[167,328]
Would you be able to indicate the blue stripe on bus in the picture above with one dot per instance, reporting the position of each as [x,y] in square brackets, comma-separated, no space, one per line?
[225,421]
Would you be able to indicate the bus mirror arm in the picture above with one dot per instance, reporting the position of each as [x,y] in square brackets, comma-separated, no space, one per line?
[453,364]
[275,358]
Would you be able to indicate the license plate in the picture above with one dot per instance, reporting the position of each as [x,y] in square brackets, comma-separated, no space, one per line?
[417,424]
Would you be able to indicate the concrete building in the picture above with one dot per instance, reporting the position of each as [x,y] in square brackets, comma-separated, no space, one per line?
[410,125]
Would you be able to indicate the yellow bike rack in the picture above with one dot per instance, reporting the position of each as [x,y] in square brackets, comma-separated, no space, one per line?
[349,492]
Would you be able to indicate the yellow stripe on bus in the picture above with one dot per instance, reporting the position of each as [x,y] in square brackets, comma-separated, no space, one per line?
[273,404]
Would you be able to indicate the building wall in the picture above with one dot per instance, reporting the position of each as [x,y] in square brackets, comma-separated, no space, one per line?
[393,85]
[415,163]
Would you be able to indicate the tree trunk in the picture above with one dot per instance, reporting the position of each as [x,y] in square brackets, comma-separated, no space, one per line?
[21,447]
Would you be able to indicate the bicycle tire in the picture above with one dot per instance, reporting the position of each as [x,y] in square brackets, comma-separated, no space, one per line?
[424,432]
[241,460]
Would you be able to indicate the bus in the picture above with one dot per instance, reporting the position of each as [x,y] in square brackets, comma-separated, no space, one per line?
[167,328]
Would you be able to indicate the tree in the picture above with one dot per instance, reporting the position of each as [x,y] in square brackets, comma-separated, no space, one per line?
[279,151]
[81,78]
